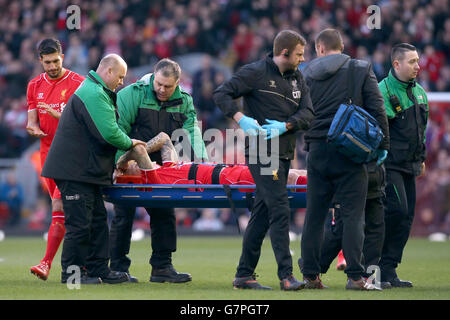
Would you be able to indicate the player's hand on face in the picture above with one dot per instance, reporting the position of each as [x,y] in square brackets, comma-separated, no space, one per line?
[122,164]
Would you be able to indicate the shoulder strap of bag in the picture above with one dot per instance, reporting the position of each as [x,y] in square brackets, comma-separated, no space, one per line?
[351,89]
[350,81]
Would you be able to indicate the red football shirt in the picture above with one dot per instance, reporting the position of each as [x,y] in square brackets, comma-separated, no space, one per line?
[171,173]
[55,93]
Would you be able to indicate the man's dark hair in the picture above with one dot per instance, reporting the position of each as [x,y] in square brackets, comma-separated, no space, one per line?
[49,46]
[398,51]
[287,39]
[331,39]
[168,68]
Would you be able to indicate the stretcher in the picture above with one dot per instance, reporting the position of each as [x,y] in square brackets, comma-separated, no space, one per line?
[192,195]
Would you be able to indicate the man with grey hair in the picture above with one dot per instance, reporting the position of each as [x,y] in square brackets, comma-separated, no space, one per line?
[81,161]
[152,105]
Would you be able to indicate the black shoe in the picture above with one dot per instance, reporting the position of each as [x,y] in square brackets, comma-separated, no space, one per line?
[85,279]
[291,284]
[386,285]
[248,283]
[169,274]
[397,283]
[361,284]
[90,280]
[115,277]
[314,283]
[131,278]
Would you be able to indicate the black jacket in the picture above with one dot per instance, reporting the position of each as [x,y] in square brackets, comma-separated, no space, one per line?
[327,80]
[268,94]
[87,137]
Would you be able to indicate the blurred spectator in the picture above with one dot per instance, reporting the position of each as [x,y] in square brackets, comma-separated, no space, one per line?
[11,194]
[183,217]
[208,221]
[242,44]
[15,120]
[39,215]
[77,55]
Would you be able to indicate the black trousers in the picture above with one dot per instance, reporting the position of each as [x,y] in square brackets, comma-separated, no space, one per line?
[86,237]
[373,230]
[270,211]
[399,214]
[373,240]
[163,236]
[331,176]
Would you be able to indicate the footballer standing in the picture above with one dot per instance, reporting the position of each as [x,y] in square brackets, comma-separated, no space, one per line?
[47,95]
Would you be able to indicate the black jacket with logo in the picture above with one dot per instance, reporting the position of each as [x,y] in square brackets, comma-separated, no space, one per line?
[269,94]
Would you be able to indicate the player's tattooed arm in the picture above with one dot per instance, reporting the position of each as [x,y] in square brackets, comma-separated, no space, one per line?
[137,153]
[163,143]
[156,143]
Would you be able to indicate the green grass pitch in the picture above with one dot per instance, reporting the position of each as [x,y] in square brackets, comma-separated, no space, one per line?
[212,263]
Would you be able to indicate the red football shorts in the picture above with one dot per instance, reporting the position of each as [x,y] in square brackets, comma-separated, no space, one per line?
[51,185]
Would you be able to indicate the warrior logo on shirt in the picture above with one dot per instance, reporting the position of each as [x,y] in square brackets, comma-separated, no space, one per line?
[40,95]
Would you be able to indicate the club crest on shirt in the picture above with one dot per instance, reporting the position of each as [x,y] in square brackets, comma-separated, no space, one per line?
[294,84]
[275,174]
[40,95]
[63,94]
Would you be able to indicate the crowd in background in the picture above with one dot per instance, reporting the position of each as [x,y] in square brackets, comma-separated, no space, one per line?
[234,32]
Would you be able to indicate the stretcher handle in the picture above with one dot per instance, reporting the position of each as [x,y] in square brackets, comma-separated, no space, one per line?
[198,186]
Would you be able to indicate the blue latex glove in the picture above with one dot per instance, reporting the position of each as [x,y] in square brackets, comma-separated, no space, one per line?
[249,125]
[274,128]
[381,155]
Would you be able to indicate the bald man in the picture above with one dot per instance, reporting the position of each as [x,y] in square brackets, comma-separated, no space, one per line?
[81,161]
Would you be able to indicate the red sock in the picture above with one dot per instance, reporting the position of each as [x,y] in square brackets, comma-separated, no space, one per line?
[55,235]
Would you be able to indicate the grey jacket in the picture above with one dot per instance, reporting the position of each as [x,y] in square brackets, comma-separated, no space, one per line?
[327,80]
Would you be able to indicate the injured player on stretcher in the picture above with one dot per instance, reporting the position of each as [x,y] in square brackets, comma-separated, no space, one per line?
[137,162]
